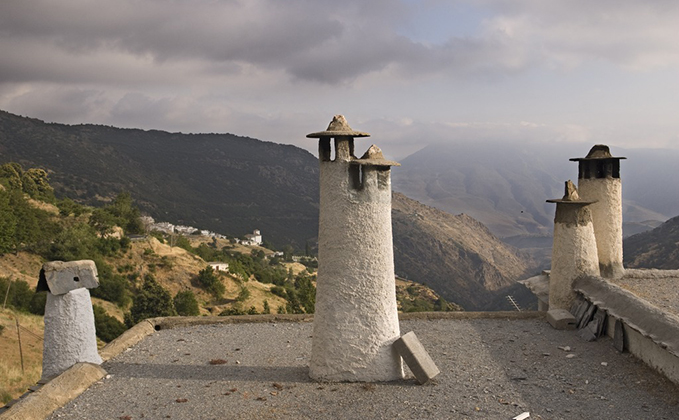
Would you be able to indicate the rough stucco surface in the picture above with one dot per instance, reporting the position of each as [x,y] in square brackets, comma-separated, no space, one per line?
[659,287]
[574,253]
[607,219]
[69,332]
[356,318]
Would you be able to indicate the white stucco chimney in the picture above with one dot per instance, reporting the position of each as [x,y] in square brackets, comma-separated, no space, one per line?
[70,335]
[599,180]
[356,319]
[574,252]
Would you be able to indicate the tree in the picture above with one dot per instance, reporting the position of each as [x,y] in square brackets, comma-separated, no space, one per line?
[210,282]
[288,250]
[306,293]
[12,172]
[243,294]
[19,296]
[151,300]
[185,303]
[108,328]
[35,183]
[7,224]
[102,221]
[69,207]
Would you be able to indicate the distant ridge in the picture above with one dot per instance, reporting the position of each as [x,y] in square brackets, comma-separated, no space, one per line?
[655,248]
[221,182]
[233,185]
[457,256]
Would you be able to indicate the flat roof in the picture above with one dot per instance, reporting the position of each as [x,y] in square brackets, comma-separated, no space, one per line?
[493,366]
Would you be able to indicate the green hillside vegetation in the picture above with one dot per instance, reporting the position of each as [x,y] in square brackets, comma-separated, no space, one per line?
[148,277]
[221,182]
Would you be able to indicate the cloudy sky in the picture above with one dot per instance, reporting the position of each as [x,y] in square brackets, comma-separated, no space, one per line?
[409,72]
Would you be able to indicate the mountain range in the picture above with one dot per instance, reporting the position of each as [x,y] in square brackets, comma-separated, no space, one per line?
[505,185]
[233,185]
[655,248]
[220,182]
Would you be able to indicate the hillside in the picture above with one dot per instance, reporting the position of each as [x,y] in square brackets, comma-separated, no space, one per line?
[655,248]
[219,182]
[456,256]
[227,184]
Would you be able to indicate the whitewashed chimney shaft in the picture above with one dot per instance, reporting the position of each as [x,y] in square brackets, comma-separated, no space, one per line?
[356,319]
[599,180]
[574,252]
[70,335]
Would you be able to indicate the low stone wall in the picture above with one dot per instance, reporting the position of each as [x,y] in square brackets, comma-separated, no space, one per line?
[649,333]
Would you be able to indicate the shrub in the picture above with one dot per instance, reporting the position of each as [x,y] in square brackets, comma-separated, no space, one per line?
[19,296]
[185,304]
[37,304]
[108,328]
[243,294]
[152,300]
[232,311]
[210,282]
[112,287]
[279,291]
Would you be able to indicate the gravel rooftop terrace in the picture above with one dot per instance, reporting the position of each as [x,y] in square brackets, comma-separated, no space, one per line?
[491,368]
[658,287]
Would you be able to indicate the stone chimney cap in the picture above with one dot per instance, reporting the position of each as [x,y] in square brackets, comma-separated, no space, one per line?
[598,151]
[338,127]
[373,156]
[571,196]
[61,277]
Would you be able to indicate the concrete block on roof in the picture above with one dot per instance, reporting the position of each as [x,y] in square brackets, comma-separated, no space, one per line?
[561,319]
[416,357]
[62,277]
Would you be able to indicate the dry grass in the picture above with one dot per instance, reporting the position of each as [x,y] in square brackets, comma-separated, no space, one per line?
[14,382]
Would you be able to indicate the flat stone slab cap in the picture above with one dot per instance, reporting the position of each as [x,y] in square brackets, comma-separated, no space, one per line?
[62,277]
[561,319]
[338,127]
[416,357]
[597,152]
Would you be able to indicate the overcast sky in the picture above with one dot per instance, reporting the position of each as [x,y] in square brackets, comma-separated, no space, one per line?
[408,72]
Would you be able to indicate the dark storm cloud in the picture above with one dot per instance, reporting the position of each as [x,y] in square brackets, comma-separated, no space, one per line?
[327,42]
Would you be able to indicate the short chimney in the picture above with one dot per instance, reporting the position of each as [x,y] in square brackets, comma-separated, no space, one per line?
[599,182]
[70,335]
[574,252]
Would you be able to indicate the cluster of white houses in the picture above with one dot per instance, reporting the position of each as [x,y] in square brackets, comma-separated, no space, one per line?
[254,238]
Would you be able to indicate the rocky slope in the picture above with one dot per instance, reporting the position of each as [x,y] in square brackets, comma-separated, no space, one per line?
[457,256]
[656,248]
[232,185]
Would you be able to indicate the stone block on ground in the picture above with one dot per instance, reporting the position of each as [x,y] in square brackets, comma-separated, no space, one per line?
[561,319]
[416,357]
